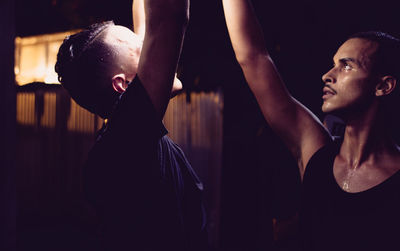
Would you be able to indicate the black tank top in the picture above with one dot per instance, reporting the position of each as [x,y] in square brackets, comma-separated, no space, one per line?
[332,219]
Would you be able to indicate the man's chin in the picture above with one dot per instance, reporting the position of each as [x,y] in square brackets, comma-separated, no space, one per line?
[325,109]
[328,107]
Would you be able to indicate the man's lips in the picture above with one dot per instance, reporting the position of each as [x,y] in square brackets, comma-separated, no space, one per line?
[328,92]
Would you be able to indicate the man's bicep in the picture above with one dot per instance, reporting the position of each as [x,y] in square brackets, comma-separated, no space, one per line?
[161,50]
[156,69]
[301,131]
[281,111]
[298,127]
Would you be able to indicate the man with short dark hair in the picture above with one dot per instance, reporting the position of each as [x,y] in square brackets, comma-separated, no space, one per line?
[351,188]
[146,194]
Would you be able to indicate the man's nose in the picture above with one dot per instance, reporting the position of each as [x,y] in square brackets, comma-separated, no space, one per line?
[329,77]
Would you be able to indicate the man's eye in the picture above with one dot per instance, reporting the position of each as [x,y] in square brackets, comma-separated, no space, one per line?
[347,67]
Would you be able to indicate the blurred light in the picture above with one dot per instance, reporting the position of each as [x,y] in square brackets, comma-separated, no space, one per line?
[35,57]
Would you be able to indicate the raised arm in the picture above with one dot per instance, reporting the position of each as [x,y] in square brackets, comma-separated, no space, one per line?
[298,127]
[165,26]
[139,26]
[139,18]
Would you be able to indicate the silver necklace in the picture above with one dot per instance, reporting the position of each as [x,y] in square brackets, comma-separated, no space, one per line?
[346,182]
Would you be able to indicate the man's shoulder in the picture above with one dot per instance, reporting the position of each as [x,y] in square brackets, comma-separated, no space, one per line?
[134,116]
[326,152]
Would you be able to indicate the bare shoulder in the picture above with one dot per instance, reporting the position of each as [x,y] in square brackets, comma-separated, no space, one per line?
[313,136]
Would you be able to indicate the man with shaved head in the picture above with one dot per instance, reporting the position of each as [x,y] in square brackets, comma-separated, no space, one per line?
[145,193]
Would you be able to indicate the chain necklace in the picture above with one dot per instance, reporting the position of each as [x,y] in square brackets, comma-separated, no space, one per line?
[346,182]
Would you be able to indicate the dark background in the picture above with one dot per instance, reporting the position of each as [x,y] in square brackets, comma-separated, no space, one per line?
[259,179]
[302,36]
[7,128]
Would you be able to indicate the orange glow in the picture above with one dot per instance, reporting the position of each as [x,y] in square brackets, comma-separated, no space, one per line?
[36,56]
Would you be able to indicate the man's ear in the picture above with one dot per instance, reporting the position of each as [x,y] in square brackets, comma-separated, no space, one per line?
[386,86]
[119,83]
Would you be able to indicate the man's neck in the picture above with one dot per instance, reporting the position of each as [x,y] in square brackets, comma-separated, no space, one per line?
[366,140]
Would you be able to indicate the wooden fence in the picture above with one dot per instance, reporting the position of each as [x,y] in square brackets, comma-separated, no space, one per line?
[54,135]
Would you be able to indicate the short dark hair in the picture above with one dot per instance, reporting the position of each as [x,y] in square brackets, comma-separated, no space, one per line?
[386,61]
[82,66]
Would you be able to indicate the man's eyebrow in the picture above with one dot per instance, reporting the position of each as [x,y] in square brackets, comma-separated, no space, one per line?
[346,60]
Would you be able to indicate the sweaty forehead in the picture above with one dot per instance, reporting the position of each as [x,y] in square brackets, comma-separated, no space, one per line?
[358,49]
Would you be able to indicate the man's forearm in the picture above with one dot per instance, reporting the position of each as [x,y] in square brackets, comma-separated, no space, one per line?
[250,50]
[167,11]
[244,30]
[139,18]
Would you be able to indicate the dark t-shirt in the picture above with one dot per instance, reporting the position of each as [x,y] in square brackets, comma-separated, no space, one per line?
[332,219]
[144,190]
